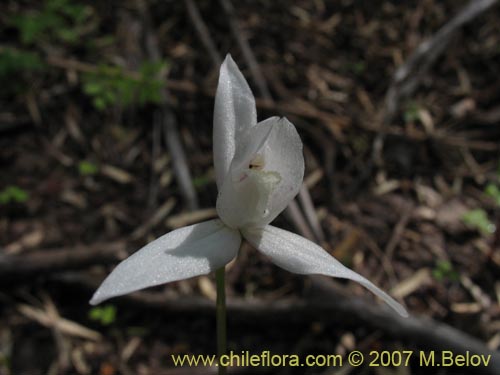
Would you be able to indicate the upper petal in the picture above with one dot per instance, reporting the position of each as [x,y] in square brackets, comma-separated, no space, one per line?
[186,252]
[234,112]
[299,255]
[265,174]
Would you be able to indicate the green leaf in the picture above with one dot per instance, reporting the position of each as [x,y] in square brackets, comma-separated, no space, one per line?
[67,35]
[478,219]
[111,85]
[12,61]
[18,194]
[358,68]
[199,182]
[444,270]
[105,315]
[58,20]
[411,113]
[13,194]
[87,168]
[92,88]
[95,313]
[493,191]
[108,315]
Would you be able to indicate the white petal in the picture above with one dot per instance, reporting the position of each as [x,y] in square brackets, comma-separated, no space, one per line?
[186,252]
[251,142]
[254,197]
[299,255]
[234,113]
[283,154]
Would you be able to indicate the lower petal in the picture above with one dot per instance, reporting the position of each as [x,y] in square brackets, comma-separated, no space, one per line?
[186,252]
[299,255]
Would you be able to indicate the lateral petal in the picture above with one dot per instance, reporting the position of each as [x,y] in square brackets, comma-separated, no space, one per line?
[234,113]
[299,255]
[283,154]
[186,252]
[264,176]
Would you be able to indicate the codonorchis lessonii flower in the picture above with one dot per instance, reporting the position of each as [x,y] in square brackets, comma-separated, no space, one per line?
[259,169]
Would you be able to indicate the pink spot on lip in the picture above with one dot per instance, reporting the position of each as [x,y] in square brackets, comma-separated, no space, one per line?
[243,177]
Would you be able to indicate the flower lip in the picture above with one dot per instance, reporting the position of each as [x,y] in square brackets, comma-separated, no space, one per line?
[252,193]
[250,153]
[257,163]
[264,176]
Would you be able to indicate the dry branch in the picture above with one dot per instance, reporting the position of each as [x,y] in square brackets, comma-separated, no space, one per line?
[26,266]
[66,326]
[203,32]
[166,117]
[325,301]
[246,50]
[409,76]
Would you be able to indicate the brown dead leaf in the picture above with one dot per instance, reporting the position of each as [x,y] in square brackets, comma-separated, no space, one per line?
[117,174]
[449,216]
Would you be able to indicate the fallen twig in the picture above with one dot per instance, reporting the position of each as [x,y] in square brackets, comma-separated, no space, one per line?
[155,153]
[203,32]
[246,50]
[325,301]
[398,231]
[293,214]
[68,327]
[179,160]
[310,213]
[166,117]
[409,76]
[14,268]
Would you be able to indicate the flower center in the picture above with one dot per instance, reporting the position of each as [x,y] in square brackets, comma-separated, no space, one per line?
[257,163]
[257,186]
[248,193]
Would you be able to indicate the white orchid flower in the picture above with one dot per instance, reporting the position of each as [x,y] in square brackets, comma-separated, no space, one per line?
[259,169]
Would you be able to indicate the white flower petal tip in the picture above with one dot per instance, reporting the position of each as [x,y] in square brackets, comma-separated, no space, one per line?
[299,255]
[234,113]
[186,252]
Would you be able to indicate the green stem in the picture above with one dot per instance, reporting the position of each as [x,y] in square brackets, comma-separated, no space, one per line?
[221,316]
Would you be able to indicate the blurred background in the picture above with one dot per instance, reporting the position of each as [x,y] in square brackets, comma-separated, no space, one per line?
[105,144]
